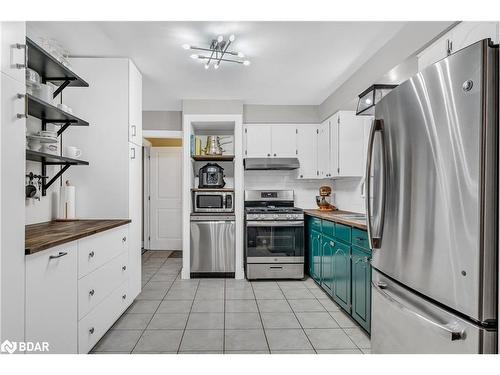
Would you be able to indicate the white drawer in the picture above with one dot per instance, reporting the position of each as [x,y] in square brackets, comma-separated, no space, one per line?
[98,321]
[96,286]
[96,250]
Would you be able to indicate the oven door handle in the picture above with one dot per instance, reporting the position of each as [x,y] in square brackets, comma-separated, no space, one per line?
[265,223]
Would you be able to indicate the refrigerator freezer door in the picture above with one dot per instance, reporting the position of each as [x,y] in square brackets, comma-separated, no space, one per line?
[403,322]
[438,165]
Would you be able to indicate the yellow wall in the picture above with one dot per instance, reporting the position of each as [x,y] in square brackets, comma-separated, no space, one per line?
[165,142]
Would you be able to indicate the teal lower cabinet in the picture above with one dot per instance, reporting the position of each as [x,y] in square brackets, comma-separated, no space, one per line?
[315,255]
[327,250]
[361,287]
[339,261]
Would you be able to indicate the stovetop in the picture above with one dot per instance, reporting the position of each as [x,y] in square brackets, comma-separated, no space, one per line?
[274,213]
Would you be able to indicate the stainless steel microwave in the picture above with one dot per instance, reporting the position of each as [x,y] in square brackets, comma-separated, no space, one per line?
[213,201]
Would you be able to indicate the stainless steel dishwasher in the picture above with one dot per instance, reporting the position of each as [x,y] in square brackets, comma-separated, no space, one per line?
[212,244]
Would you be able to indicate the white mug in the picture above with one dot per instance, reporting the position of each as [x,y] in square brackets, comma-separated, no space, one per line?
[49,148]
[72,152]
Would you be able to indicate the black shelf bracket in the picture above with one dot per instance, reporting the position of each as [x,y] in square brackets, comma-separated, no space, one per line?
[45,186]
[62,86]
[63,128]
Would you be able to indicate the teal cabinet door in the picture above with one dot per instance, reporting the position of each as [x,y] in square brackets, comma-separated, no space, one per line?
[361,287]
[315,255]
[327,249]
[341,274]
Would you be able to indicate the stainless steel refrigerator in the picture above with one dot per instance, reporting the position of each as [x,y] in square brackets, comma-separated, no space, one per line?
[432,207]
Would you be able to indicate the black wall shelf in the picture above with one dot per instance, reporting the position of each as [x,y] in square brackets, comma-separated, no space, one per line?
[50,69]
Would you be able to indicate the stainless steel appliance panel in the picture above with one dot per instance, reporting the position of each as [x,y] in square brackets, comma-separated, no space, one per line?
[405,323]
[276,241]
[430,213]
[212,244]
[275,271]
[213,201]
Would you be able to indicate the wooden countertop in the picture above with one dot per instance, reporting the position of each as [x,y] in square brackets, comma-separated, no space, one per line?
[43,236]
[337,216]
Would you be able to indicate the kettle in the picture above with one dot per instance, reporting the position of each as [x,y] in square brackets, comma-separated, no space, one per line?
[213,146]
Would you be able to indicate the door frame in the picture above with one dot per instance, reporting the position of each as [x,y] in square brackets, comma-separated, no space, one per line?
[146,189]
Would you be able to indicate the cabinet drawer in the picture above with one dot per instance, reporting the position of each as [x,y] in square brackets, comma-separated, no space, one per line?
[360,238]
[343,232]
[315,224]
[275,271]
[98,249]
[98,321]
[328,228]
[96,286]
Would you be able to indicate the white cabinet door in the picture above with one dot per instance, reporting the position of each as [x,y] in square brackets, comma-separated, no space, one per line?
[257,141]
[284,141]
[467,33]
[13,49]
[350,144]
[307,145]
[135,104]
[12,209]
[435,52]
[51,298]
[135,214]
[334,145]
[324,150]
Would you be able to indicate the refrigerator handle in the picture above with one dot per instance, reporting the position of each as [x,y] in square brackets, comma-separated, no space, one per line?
[453,331]
[374,240]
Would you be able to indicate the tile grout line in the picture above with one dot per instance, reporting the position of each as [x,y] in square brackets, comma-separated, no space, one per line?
[294,314]
[189,315]
[152,316]
[224,320]
[260,317]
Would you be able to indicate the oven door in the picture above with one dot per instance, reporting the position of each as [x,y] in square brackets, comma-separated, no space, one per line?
[275,241]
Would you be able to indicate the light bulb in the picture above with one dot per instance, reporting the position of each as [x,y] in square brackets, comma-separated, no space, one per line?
[232,38]
[194,56]
[216,66]
[186,46]
[241,54]
[207,66]
[246,62]
[220,38]
[368,101]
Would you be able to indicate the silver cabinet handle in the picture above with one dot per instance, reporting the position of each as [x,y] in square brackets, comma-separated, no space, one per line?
[91,254]
[301,176]
[332,243]
[268,154]
[60,255]
[124,296]
[134,132]
[91,292]
[452,330]
[274,154]
[132,149]
[124,268]
[24,64]
[124,239]
[91,330]
[25,114]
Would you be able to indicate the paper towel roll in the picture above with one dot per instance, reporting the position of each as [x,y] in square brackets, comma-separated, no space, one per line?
[67,202]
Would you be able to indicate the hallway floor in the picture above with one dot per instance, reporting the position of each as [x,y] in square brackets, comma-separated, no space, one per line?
[229,316]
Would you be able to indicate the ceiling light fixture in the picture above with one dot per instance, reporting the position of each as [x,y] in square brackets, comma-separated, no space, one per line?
[217,52]
[370,97]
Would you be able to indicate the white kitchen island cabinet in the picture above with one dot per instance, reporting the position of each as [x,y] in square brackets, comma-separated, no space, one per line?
[76,291]
[264,141]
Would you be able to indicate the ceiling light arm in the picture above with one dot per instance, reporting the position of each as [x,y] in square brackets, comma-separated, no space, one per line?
[227,60]
[224,51]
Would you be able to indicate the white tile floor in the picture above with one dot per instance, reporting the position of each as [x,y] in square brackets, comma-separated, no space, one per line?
[229,316]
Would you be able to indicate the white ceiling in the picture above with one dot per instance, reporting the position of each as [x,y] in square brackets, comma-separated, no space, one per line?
[291,62]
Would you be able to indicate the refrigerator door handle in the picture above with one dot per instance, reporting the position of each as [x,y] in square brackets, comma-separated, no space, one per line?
[375,241]
[454,332]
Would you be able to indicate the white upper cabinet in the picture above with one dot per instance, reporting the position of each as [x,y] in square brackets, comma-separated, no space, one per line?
[13,49]
[350,144]
[270,141]
[324,150]
[135,105]
[333,123]
[461,36]
[307,146]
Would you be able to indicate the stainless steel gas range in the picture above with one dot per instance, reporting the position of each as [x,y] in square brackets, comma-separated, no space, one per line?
[274,235]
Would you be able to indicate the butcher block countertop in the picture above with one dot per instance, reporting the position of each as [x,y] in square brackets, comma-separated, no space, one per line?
[43,236]
[338,216]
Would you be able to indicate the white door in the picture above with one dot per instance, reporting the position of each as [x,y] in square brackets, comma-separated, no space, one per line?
[284,141]
[350,145]
[324,150]
[334,145]
[165,203]
[257,141]
[307,143]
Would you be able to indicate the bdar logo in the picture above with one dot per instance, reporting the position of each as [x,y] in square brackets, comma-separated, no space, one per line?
[8,347]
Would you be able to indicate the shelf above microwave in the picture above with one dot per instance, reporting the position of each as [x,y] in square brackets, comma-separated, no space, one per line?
[213,189]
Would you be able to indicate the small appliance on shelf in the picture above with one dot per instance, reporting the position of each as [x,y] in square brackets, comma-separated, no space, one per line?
[211,176]
[324,199]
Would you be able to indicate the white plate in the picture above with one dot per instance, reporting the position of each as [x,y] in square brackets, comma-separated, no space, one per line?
[42,139]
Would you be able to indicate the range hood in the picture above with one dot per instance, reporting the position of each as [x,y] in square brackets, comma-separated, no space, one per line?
[260,164]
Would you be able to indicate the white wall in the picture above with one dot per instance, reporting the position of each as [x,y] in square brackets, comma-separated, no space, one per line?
[162,120]
[348,194]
